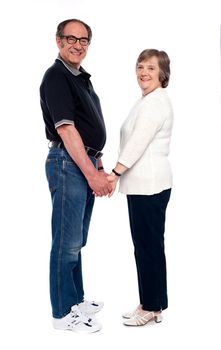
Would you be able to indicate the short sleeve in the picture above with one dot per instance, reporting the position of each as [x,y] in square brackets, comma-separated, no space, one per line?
[58,98]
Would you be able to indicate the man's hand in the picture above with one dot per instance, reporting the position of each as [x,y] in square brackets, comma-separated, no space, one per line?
[100,184]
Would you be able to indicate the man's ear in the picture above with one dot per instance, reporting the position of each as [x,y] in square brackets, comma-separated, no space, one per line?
[58,42]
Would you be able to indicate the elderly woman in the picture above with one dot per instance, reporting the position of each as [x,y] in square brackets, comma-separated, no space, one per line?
[145,177]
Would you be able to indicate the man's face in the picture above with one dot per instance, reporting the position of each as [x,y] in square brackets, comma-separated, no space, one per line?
[73,53]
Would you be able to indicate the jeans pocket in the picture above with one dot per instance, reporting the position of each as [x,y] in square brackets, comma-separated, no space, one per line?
[51,169]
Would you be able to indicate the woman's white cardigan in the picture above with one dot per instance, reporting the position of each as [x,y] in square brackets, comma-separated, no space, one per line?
[144,145]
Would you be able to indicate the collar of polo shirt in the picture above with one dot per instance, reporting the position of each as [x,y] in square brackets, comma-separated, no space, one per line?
[73,70]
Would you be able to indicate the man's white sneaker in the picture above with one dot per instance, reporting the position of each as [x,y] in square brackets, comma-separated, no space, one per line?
[77,321]
[90,307]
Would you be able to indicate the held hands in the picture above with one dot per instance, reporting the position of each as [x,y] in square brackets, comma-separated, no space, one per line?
[106,187]
[113,179]
[100,184]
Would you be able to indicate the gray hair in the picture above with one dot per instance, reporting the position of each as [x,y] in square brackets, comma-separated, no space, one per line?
[163,61]
[61,26]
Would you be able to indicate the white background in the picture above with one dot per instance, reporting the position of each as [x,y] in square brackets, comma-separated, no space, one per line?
[189,32]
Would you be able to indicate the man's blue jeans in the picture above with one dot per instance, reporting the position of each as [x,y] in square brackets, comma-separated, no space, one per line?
[72,204]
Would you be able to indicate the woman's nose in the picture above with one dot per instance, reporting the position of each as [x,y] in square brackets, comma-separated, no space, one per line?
[144,72]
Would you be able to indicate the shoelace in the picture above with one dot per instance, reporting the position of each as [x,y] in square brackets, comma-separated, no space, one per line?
[79,317]
[87,306]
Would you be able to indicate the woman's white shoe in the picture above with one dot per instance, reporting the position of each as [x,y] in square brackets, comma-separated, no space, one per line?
[132,313]
[139,319]
[129,314]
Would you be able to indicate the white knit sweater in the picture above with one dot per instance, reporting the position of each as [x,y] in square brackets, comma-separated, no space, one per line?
[144,145]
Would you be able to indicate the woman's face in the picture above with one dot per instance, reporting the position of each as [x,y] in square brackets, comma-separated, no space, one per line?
[148,73]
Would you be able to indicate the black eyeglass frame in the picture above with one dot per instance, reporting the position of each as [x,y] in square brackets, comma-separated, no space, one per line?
[74,39]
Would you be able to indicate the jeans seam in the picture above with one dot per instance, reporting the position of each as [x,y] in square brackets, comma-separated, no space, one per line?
[61,241]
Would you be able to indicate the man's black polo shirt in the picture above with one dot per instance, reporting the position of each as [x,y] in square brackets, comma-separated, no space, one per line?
[68,97]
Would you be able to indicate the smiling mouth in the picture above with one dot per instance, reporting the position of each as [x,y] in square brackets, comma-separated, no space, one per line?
[75,53]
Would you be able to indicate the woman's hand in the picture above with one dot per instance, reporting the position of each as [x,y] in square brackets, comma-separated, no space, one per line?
[113,179]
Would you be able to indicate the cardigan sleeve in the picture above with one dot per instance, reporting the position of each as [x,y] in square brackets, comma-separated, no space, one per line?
[149,120]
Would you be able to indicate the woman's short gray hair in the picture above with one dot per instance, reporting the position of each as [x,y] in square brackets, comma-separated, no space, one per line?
[163,61]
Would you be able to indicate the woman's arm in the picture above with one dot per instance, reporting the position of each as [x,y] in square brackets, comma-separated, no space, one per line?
[115,175]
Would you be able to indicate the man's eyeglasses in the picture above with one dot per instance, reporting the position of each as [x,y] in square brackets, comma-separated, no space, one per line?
[73,39]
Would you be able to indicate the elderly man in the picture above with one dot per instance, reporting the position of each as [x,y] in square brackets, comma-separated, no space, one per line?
[75,128]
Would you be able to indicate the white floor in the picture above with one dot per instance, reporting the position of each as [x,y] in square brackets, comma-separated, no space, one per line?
[190,322]
[180,330]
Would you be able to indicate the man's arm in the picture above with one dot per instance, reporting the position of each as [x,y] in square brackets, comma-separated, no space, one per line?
[75,147]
